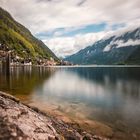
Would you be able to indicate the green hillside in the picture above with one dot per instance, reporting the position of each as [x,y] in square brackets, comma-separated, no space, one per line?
[20,39]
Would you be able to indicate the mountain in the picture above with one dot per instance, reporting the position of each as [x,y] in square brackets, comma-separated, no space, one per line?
[18,38]
[122,48]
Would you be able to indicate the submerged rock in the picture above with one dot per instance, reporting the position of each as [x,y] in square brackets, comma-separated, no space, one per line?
[21,122]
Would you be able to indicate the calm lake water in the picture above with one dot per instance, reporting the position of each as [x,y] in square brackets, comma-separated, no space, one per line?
[103,97]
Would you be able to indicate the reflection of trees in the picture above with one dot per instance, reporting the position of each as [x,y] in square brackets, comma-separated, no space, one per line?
[22,80]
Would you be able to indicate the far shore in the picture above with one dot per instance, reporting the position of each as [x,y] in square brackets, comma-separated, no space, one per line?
[79,66]
[24,65]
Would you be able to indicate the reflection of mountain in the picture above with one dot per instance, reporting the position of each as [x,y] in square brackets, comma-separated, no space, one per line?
[113,73]
[22,80]
[117,49]
[120,79]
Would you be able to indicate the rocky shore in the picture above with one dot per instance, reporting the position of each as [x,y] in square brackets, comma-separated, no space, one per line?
[21,122]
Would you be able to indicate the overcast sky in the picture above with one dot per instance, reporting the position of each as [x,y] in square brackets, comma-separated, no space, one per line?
[67,26]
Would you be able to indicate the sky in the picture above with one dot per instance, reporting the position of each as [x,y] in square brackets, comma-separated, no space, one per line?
[67,26]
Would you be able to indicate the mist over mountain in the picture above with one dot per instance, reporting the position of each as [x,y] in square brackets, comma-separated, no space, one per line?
[122,48]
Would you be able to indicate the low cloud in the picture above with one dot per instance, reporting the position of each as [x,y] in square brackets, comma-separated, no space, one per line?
[64,46]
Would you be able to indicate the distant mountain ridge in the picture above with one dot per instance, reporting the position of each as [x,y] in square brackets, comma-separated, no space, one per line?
[116,49]
[20,39]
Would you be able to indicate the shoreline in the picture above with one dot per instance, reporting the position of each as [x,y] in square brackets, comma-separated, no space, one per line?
[39,124]
[77,66]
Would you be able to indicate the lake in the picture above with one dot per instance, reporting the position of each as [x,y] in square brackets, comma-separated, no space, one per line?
[103,100]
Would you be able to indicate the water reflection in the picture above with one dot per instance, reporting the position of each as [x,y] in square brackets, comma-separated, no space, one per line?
[110,95]
[22,80]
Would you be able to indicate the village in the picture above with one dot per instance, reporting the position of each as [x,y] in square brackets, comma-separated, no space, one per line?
[11,58]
